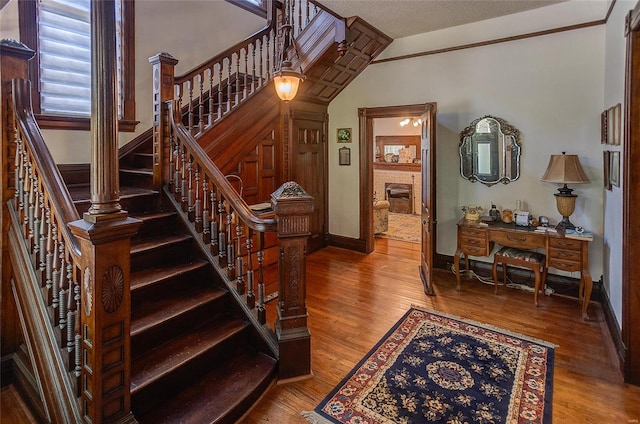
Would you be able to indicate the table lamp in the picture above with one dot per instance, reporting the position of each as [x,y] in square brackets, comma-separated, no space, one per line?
[565,169]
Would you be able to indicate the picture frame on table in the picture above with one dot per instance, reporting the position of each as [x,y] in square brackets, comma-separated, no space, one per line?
[344,156]
[606,162]
[614,168]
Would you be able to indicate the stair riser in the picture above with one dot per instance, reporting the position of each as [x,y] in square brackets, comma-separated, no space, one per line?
[171,285]
[164,254]
[160,225]
[172,328]
[134,204]
[143,160]
[136,179]
[165,388]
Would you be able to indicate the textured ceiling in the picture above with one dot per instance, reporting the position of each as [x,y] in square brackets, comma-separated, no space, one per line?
[401,18]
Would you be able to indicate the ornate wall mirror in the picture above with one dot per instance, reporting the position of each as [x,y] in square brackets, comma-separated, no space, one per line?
[490,151]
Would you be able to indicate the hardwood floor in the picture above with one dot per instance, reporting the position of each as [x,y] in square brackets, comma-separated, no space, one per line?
[353,299]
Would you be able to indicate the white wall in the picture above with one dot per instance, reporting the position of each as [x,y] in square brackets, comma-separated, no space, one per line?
[190,30]
[614,94]
[549,87]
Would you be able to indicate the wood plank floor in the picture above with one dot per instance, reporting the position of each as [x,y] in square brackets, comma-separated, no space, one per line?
[353,299]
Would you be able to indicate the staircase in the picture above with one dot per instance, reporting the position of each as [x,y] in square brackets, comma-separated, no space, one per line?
[194,356]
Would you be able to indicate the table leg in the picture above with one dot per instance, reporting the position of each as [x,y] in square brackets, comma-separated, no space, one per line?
[588,286]
[456,265]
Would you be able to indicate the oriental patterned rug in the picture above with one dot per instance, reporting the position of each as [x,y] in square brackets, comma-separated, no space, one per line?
[431,367]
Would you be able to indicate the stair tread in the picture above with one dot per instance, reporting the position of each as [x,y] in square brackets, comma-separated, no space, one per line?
[82,192]
[148,243]
[216,393]
[143,171]
[148,315]
[160,361]
[148,216]
[150,276]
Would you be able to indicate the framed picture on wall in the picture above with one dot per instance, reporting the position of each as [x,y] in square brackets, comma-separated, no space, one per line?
[344,135]
[617,117]
[614,169]
[610,125]
[344,156]
[606,161]
[603,127]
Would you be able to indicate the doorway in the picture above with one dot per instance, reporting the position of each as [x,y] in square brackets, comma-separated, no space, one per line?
[407,199]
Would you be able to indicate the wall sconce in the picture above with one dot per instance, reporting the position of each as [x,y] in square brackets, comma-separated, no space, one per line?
[565,169]
[412,121]
[286,79]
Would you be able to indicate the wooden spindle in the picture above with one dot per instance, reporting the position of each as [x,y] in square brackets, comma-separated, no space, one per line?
[211,99]
[251,297]
[240,283]
[245,91]
[190,212]
[230,233]
[220,65]
[213,232]
[253,66]
[201,104]
[206,235]
[222,235]
[237,93]
[229,84]
[63,285]
[197,206]
[183,178]
[262,312]
[55,276]
[52,240]
[190,106]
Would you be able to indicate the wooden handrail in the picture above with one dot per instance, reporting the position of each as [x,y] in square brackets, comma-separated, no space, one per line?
[52,181]
[237,203]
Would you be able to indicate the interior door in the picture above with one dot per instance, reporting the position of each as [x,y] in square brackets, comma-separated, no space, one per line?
[308,170]
[428,198]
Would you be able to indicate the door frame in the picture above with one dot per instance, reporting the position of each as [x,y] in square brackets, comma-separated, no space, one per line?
[365,123]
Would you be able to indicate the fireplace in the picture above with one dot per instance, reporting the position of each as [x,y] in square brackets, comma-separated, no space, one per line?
[400,197]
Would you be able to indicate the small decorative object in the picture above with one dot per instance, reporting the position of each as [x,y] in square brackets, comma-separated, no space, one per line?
[344,135]
[543,221]
[507,216]
[494,213]
[472,212]
[522,218]
[565,169]
[614,169]
[344,156]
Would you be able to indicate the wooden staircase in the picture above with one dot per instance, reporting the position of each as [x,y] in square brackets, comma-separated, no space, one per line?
[195,356]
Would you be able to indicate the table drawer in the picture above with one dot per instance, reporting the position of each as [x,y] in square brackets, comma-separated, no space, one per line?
[563,264]
[565,255]
[475,250]
[474,232]
[565,243]
[519,240]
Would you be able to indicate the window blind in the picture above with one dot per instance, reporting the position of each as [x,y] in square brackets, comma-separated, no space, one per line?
[64,41]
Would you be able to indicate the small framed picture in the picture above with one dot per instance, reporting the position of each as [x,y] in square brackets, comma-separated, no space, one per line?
[606,162]
[614,169]
[344,135]
[610,126]
[344,156]
[603,127]
[617,118]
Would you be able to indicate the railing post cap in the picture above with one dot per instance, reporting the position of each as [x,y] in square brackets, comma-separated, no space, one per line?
[291,193]
[15,48]
[163,57]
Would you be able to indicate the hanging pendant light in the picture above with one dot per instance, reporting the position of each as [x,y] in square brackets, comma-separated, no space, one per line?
[286,79]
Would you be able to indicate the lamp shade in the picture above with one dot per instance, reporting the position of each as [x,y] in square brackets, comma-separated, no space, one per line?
[286,81]
[564,169]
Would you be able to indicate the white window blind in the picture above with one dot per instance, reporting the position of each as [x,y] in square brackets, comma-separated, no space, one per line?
[64,45]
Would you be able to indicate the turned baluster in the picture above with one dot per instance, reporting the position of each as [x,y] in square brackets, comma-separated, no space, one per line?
[253,66]
[183,178]
[307,12]
[237,93]
[190,107]
[222,235]
[190,212]
[213,232]
[18,172]
[201,104]
[246,72]
[220,66]
[71,309]
[206,235]
[32,209]
[240,283]
[198,203]
[76,330]
[261,69]
[25,201]
[211,102]
[42,240]
[251,297]
[229,83]
[262,312]
[231,271]
[45,234]
[52,241]
[55,276]
[37,217]
[63,285]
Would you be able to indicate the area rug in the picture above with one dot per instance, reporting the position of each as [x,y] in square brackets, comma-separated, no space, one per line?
[431,367]
[403,226]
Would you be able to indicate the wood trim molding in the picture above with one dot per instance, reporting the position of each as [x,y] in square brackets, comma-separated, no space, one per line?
[349,243]
[612,324]
[494,41]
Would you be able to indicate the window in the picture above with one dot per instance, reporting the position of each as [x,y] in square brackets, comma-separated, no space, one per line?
[255,6]
[60,32]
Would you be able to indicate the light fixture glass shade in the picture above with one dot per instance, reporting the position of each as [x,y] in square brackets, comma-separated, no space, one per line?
[286,81]
[564,169]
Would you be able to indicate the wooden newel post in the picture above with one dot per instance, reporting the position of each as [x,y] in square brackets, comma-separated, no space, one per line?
[163,72]
[293,208]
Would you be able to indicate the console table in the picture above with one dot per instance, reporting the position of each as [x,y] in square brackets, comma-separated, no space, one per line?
[563,253]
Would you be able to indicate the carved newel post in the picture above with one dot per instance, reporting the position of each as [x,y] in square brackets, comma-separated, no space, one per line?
[105,238]
[293,208]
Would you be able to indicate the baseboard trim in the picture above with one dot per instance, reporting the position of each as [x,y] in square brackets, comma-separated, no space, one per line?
[357,245]
[614,329]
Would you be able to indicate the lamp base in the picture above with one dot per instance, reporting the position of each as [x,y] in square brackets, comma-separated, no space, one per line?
[565,224]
